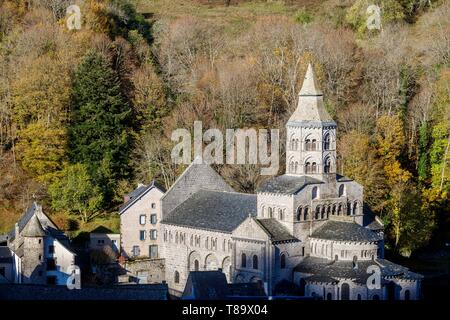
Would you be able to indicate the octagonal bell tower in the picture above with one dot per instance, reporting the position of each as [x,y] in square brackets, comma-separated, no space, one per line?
[311,134]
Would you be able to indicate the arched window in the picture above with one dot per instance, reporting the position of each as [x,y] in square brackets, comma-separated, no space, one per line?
[341,190]
[322,215]
[296,167]
[326,142]
[243,261]
[313,144]
[177,277]
[296,144]
[255,262]
[270,213]
[314,193]
[329,296]
[336,257]
[327,166]
[299,213]
[407,295]
[305,213]
[196,265]
[359,297]
[355,208]
[283,261]
[345,291]
[308,144]
[308,167]
[313,167]
[317,213]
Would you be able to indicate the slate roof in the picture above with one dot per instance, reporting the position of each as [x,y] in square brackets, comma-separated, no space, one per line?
[321,278]
[206,285]
[123,292]
[345,231]
[287,184]
[249,289]
[5,255]
[325,269]
[213,210]
[276,231]
[137,193]
[33,228]
[48,226]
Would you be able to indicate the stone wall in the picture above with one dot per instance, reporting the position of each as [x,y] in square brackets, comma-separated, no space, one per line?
[153,269]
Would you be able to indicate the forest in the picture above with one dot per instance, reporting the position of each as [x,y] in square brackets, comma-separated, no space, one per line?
[86,114]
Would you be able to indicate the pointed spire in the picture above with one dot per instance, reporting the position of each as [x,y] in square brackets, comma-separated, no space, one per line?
[33,228]
[310,105]
[310,86]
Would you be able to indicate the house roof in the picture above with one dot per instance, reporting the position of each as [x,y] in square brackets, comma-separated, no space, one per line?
[122,292]
[46,224]
[325,269]
[206,285]
[276,231]
[5,255]
[213,210]
[287,184]
[33,228]
[138,193]
[249,289]
[345,231]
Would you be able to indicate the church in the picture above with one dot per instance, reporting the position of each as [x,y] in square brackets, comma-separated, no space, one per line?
[308,228]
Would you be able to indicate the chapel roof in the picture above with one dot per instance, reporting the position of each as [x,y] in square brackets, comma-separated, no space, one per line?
[345,231]
[276,231]
[342,269]
[287,184]
[213,210]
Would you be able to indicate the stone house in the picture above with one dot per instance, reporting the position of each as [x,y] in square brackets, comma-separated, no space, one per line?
[39,253]
[140,217]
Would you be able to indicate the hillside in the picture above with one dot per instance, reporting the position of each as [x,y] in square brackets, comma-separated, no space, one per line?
[152,66]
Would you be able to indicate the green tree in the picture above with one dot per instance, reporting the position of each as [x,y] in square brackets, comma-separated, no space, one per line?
[100,130]
[75,192]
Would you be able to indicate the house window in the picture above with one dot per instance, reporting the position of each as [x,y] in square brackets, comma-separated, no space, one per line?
[51,264]
[327,166]
[196,265]
[326,142]
[142,235]
[341,190]
[142,219]
[303,251]
[51,249]
[153,205]
[153,234]
[177,277]
[243,260]
[153,219]
[153,252]
[283,260]
[255,262]
[100,242]
[136,251]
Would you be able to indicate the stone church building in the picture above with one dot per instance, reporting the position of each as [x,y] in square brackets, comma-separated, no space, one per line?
[308,228]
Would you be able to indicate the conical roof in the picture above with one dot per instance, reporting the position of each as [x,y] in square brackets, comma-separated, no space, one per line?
[310,105]
[310,86]
[33,228]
